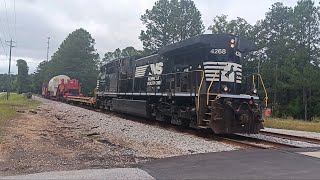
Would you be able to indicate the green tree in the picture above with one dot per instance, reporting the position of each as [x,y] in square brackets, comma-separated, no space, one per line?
[306,32]
[289,42]
[4,80]
[237,26]
[40,76]
[22,84]
[76,58]
[168,22]
[130,51]
[275,35]
[118,53]
[241,28]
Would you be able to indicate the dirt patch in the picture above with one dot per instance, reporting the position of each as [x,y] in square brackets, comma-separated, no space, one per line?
[44,141]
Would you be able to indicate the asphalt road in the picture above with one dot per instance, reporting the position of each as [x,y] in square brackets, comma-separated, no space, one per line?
[242,164]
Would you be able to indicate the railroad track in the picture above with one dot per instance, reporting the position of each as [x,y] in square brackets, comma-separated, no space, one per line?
[291,137]
[244,142]
[241,141]
[251,142]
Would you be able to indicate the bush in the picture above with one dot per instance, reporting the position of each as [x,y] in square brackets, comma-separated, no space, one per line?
[28,95]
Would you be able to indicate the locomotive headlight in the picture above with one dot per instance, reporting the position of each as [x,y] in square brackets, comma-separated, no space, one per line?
[225,88]
[254,91]
[232,43]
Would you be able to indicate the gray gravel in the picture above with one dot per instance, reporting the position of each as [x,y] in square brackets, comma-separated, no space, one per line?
[296,133]
[283,141]
[146,140]
[152,141]
[117,173]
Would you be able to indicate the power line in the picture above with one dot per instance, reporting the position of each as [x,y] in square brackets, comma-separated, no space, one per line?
[48,49]
[5,5]
[4,50]
[4,36]
[15,19]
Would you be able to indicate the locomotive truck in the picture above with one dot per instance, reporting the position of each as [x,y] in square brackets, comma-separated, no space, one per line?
[197,83]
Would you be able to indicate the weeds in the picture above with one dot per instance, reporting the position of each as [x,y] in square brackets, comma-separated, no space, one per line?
[16,102]
[313,126]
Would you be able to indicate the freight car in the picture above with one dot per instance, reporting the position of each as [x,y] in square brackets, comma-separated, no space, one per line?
[195,83]
[61,87]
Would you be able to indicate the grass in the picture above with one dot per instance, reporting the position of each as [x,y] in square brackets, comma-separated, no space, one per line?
[300,125]
[16,102]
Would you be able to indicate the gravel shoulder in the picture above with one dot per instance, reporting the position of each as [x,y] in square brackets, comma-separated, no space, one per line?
[145,140]
[60,137]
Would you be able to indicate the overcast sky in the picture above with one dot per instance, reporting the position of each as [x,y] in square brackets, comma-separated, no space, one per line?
[112,23]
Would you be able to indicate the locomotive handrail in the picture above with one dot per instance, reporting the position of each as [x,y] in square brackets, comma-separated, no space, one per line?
[167,74]
[264,88]
[254,84]
[199,89]
[208,90]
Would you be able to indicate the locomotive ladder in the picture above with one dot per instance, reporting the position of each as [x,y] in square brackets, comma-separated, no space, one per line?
[208,114]
[206,109]
[204,105]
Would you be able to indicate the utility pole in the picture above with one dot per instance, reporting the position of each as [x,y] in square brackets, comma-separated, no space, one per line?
[48,49]
[9,71]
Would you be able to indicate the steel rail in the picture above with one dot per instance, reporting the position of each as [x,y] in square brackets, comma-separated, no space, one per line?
[260,143]
[291,137]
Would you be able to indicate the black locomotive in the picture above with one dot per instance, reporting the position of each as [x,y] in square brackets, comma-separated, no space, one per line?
[194,83]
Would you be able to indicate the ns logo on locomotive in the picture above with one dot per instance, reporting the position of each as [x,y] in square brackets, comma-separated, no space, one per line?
[195,83]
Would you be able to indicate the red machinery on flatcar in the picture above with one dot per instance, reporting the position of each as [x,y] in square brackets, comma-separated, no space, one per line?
[63,88]
[69,88]
[45,91]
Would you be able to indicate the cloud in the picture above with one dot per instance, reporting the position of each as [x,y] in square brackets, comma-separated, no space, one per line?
[113,24]
[4,64]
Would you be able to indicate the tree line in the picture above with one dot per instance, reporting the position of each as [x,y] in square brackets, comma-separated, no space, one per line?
[288,56]
[287,59]
[20,83]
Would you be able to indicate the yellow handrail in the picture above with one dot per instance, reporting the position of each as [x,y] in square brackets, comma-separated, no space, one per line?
[208,91]
[199,89]
[265,90]
[254,84]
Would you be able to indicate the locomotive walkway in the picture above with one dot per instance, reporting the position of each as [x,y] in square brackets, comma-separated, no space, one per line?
[296,163]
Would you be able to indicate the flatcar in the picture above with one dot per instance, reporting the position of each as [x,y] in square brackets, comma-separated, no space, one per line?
[60,87]
[195,83]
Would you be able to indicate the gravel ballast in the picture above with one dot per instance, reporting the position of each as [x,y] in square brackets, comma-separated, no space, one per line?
[283,141]
[288,141]
[293,132]
[145,140]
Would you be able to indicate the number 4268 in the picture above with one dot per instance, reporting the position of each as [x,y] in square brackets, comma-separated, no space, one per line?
[218,51]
